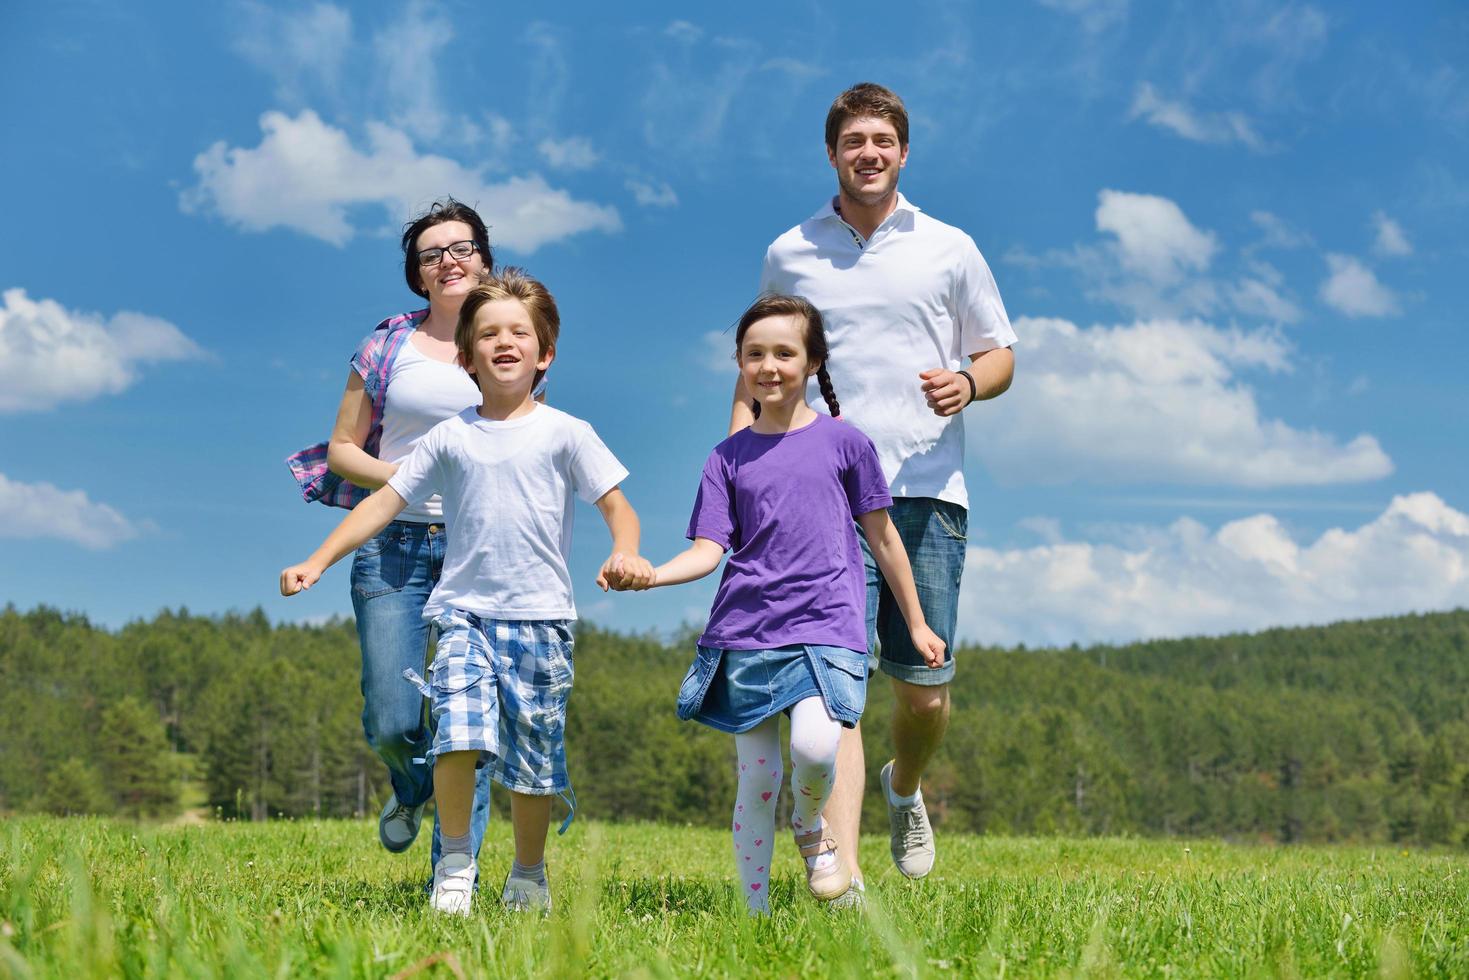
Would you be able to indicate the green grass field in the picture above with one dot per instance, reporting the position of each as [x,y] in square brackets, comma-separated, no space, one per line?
[83,897]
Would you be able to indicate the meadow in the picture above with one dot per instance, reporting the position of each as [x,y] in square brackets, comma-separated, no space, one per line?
[87,897]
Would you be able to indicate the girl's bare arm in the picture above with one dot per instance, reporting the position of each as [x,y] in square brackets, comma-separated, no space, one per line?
[696,561]
[892,561]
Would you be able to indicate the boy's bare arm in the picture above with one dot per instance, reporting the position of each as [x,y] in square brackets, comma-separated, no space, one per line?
[897,572]
[366,519]
[624,567]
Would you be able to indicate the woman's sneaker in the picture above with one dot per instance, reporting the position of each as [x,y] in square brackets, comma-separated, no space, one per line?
[397,825]
[453,889]
[910,837]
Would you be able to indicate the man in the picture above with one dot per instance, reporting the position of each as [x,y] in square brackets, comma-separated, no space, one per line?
[917,333]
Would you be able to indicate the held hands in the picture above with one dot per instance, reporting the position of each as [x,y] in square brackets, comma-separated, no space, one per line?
[625,573]
[300,577]
[927,642]
[946,391]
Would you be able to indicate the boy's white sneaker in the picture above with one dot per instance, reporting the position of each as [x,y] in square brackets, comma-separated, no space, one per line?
[524,895]
[397,825]
[453,884]
[910,837]
[854,897]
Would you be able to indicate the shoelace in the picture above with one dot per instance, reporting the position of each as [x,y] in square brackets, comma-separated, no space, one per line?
[912,830]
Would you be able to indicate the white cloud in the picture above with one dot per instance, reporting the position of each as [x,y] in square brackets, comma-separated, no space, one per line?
[40,510]
[1200,127]
[1258,298]
[306,175]
[406,54]
[650,194]
[299,48]
[718,353]
[1353,289]
[1095,15]
[1391,239]
[1250,574]
[50,355]
[572,153]
[1157,400]
[1278,232]
[1154,238]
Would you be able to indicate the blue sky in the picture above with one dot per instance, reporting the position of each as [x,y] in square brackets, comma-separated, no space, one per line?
[1230,236]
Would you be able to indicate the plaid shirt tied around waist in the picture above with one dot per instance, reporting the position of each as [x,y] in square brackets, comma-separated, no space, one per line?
[373,360]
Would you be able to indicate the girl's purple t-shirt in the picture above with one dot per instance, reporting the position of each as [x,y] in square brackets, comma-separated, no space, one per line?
[784,506]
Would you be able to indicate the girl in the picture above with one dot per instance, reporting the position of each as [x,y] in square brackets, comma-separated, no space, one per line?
[787,632]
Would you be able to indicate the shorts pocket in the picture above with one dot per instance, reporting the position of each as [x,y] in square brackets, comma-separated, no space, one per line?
[846,678]
[452,674]
[380,565]
[696,682]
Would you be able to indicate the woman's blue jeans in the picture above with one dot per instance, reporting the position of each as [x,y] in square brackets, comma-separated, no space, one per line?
[392,576]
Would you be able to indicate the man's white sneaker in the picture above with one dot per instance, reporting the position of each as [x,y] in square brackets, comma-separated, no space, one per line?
[910,838]
[453,884]
[524,895]
[397,825]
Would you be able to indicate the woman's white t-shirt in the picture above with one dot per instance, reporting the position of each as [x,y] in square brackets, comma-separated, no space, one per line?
[422,392]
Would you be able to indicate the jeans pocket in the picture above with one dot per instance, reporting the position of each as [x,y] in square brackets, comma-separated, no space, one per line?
[696,682]
[846,678]
[380,565]
[953,519]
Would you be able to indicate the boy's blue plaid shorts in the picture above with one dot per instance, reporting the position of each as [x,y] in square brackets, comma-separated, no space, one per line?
[500,687]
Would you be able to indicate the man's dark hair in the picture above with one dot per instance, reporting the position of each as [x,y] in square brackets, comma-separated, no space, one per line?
[866,100]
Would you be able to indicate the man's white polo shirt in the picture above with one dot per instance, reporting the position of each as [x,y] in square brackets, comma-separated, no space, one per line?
[916,295]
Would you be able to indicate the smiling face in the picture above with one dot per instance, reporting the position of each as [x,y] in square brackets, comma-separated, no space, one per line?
[449,281]
[505,351]
[867,158]
[773,361]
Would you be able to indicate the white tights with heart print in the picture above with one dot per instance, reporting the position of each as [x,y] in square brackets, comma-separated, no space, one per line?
[814,738]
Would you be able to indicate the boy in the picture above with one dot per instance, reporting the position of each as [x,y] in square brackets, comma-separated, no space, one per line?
[507,471]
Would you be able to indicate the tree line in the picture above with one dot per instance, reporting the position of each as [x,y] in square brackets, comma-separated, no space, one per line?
[1355,731]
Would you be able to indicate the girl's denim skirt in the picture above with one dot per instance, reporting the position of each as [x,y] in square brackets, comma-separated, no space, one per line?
[735,690]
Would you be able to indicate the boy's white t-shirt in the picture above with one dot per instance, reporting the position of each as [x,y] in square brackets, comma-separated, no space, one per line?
[507,489]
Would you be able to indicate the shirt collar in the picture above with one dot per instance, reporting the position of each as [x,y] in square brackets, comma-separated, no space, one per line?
[828,210]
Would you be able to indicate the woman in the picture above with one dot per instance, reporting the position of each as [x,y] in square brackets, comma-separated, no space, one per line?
[403,381]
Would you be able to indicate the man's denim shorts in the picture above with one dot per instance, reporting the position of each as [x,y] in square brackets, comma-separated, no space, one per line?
[735,690]
[933,533]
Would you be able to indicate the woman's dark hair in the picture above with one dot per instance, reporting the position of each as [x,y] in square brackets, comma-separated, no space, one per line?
[439,212]
[774,304]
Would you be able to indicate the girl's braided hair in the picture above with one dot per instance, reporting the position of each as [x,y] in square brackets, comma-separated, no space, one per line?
[775,304]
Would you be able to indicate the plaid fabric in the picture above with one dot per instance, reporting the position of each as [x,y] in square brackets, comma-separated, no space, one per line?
[372,360]
[500,687]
